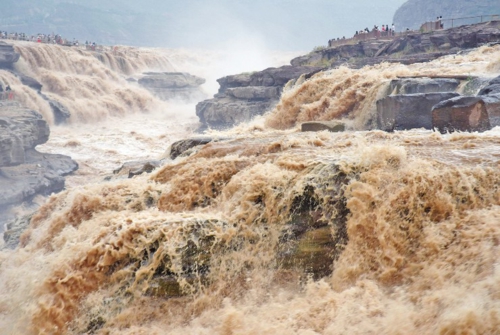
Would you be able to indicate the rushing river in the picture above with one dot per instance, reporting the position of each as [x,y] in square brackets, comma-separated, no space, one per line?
[271,231]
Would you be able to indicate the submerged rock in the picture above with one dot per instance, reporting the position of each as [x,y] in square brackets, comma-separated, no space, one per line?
[14,230]
[316,233]
[136,168]
[333,126]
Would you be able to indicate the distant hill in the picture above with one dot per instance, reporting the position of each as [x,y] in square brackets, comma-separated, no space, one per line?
[277,24]
[415,12]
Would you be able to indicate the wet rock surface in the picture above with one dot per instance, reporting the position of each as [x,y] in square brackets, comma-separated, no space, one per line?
[14,229]
[243,96]
[183,147]
[173,85]
[136,168]
[8,56]
[408,111]
[313,237]
[423,85]
[470,113]
[467,113]
[333,126]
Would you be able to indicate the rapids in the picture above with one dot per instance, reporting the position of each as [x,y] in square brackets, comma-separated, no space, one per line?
[197,247]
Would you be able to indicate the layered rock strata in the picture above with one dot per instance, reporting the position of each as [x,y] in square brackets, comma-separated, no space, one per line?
[409,111]
[173,85]
[242,97]
[410,102]
[25,172]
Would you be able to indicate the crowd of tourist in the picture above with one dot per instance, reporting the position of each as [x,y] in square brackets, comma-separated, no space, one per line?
[384,31]
[46,38]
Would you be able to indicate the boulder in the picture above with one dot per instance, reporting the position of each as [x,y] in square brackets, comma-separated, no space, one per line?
[408,111]
[332,126]
[136,168]
[8,56]
[180,148]
[173,85]
[467,113]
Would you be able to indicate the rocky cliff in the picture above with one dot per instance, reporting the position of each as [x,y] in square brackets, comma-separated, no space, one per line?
[406,49]
[173,85]
[415,12]
[8,56]
[242,97]
[25,172]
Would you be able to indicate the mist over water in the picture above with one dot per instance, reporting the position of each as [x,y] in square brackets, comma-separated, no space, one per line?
[422,223]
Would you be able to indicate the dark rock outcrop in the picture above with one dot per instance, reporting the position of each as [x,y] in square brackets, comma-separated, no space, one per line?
[8,56]
[467,113]
[180,148]
[423,85]
[408,111]
[25,172]
[136,168]
[60,112]
[14,230]
[29,81]
[242,97]
[470,113]
[332,126]
[173,85]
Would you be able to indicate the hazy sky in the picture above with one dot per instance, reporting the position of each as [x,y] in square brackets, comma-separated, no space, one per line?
[273,24]
[288,24]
